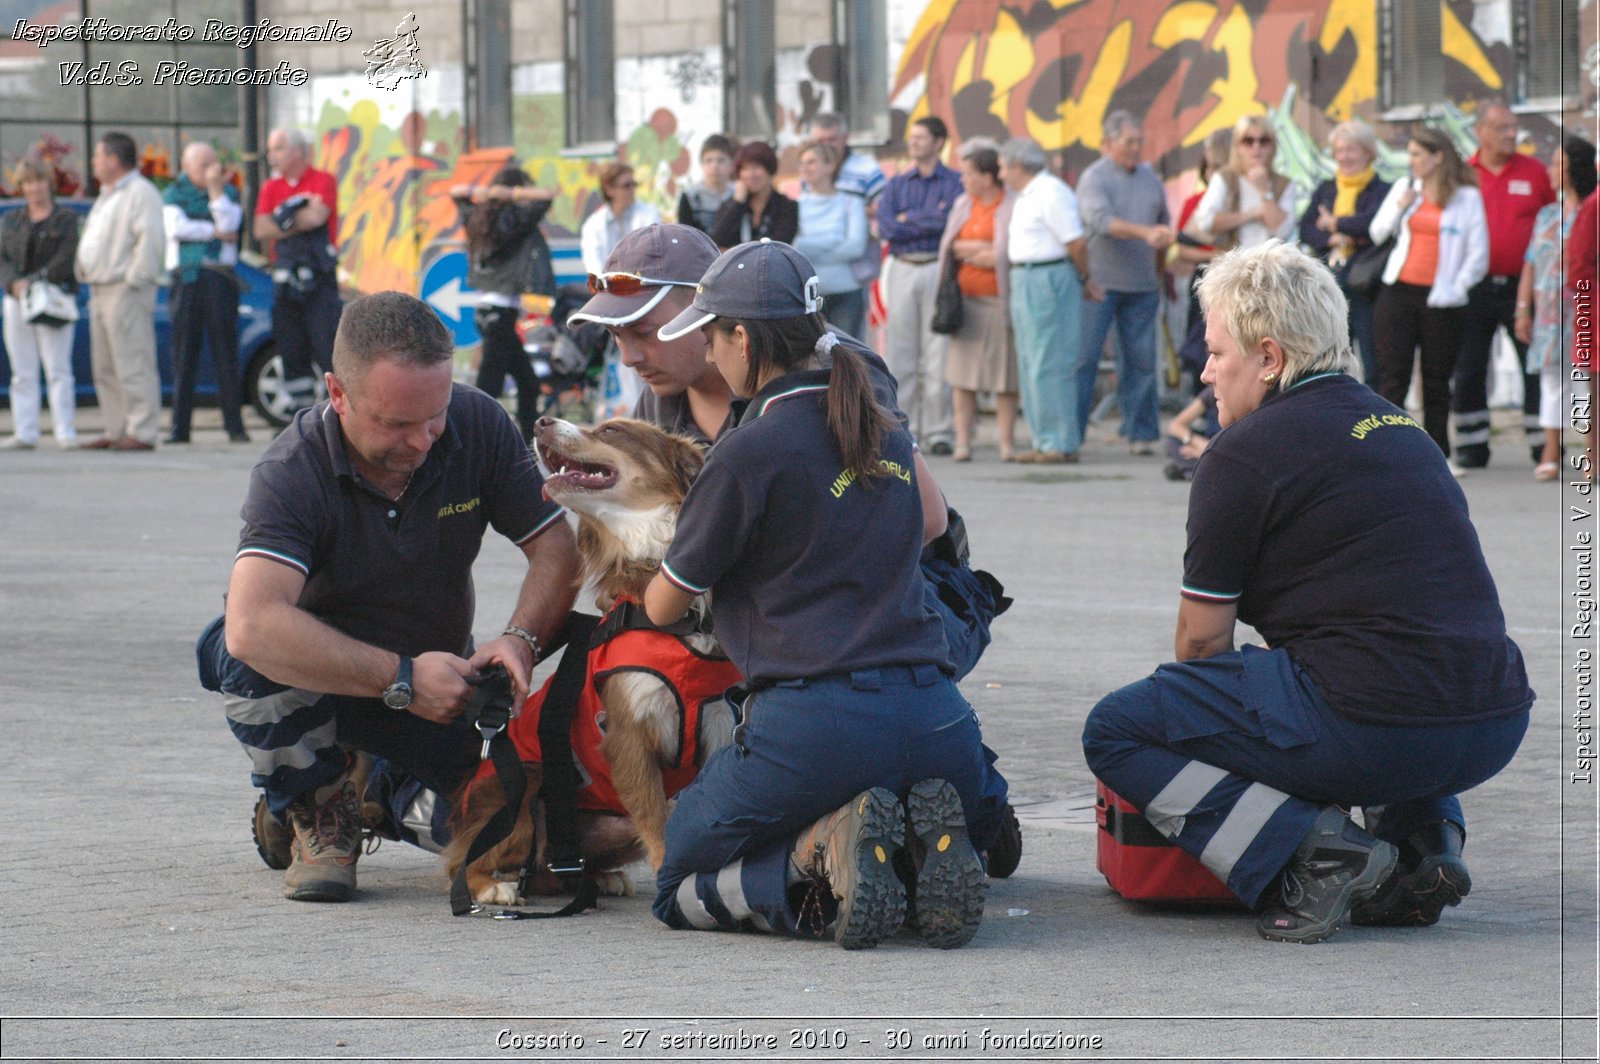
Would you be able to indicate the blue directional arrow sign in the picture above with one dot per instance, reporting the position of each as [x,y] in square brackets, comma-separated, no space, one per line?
[444,288]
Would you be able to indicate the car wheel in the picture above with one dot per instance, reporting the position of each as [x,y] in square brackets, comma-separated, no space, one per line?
[266,388]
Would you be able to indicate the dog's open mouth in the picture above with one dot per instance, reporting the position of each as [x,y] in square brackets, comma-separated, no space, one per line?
[566,473]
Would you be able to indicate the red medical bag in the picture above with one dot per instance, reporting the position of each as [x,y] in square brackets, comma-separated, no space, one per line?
[1139,862]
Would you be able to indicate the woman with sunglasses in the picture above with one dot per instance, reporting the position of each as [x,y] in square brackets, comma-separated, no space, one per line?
[1245,203]
[508,256]
[620,215]
[808,524]
[1441,249]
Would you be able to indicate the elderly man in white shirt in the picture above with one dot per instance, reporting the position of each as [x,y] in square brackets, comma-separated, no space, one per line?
[202,217]
[1049,262]
[119,258]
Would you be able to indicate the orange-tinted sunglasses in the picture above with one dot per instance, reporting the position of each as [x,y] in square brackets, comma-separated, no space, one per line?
[623,284]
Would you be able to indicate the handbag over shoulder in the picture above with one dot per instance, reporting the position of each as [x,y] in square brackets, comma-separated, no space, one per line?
[48,304]
[947,299]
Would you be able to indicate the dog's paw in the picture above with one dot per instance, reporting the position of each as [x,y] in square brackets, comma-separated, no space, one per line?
[498,894]
[614,883]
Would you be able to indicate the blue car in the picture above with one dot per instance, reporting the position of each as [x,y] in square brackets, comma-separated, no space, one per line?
[260,368]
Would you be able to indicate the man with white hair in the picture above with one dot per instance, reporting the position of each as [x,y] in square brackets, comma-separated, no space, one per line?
[202,219]
[1124,208]
[1049,264]
[297,216]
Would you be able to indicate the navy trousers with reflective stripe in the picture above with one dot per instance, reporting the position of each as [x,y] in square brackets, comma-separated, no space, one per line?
[802,750]
[1232,757]
[293,736]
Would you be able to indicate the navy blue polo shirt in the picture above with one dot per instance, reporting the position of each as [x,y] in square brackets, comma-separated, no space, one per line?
[811,571]
[395,574]
[1331,519]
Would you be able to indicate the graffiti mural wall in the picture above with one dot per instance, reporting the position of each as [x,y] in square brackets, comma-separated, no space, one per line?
[1050,69]
[395,169]
[1054,70]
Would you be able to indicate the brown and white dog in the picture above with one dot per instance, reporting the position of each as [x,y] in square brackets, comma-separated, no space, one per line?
[624,480]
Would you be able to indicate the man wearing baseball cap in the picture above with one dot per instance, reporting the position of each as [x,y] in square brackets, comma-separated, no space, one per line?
[650,278]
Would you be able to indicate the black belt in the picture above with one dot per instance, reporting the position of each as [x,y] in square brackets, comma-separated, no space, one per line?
[1036,265]
[870,678]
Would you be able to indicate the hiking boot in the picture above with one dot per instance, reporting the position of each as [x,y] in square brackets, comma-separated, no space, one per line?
[1337,864]
[375,825]
[948,896]
[1005,853]
[852,851]
[272,838]
[1429,876]
[327,841]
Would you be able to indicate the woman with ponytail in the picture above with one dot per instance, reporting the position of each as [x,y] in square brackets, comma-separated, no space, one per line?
[853,743]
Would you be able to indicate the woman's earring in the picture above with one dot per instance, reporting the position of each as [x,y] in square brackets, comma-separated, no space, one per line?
[1270,378]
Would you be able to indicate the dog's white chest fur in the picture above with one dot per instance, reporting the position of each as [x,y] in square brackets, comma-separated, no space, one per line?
[643,534]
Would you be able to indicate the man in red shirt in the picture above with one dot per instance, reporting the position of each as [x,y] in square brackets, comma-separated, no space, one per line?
[297,217]
[1514,187]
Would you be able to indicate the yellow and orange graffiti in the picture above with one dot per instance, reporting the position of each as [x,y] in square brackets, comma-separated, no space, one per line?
[394,186]
[1053,71]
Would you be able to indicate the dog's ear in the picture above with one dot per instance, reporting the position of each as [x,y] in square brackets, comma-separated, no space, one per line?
[687,460]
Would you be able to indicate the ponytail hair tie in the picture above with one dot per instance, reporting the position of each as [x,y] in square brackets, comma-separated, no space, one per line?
[825,343]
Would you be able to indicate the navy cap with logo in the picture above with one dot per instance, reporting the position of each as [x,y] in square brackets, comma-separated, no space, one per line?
[760,281]
[645,265]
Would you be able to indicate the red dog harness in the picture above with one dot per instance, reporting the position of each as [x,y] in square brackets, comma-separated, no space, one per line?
[625,642]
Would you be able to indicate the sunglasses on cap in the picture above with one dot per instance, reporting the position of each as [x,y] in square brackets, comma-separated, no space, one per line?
[1251,142]
[624,284]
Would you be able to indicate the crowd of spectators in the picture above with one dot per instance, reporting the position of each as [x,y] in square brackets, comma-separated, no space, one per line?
[1057,280]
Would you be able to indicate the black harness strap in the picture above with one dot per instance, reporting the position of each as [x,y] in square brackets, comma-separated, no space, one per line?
[629,616]
[490,710]
[560,789]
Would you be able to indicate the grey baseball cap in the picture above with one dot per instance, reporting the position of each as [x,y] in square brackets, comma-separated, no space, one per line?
[762,281]
[645,265]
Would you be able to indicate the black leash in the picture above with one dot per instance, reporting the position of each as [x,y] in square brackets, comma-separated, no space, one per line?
[490,711]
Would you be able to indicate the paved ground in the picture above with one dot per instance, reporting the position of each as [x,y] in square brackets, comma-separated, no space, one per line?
[140,923]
